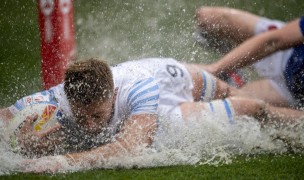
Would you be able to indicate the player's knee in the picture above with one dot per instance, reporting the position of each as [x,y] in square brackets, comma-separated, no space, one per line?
[206,15]
[259,108]
[247,106]
[199,12]
[203,14]
[255,104]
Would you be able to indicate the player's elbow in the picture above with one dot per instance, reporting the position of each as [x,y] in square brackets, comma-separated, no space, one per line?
[208,15]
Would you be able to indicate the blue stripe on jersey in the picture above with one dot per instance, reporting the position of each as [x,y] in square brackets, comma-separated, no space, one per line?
[301,23]
[149,90]
[211,107]
[204,86]
[228,110]
[140,85]
[141,102]
[213,86]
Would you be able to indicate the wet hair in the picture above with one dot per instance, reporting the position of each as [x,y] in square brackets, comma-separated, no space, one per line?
[88,81]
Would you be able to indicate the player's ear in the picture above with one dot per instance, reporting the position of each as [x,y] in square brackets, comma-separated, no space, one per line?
[115,94]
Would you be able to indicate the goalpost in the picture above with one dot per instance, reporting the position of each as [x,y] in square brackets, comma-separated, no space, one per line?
[57,38]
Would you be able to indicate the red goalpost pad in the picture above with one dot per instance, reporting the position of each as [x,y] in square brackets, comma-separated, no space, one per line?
[57,38]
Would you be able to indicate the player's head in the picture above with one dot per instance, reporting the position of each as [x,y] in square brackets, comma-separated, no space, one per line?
[89,88]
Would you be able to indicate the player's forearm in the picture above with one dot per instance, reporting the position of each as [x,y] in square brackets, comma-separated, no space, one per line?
[135,135]
[137,132]
[98,156]
[247,53]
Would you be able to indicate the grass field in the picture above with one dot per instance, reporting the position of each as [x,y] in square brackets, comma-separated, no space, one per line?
[259,167]
[123,30]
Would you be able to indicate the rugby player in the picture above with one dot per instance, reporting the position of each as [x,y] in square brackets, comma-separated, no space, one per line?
[121,108]
[275,50]
[149,86]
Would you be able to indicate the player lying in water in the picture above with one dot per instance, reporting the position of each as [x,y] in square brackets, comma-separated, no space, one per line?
[275,49]
[115,110]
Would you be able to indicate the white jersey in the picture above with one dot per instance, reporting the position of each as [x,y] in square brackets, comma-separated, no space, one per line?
[149,86]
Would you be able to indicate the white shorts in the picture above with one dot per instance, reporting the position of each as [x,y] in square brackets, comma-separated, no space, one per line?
[176,85]
[272,67]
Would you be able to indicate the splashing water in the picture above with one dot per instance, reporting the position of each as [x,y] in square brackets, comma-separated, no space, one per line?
[205,140]
[120,31]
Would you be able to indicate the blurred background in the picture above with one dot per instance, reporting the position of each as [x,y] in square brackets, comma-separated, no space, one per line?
[115,31]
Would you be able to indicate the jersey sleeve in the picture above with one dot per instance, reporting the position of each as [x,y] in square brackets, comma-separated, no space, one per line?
[143,97]
[301,24]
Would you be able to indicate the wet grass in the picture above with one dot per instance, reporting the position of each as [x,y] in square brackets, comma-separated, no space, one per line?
[258,167]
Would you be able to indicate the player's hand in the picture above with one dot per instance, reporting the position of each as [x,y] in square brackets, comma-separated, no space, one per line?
[30,140]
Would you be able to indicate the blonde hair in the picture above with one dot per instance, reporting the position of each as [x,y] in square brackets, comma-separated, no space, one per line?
[88,81]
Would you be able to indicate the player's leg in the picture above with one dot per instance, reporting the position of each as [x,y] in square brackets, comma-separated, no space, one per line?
[236,106]
[222,22]
[227,109]
[267,91]
[265,113]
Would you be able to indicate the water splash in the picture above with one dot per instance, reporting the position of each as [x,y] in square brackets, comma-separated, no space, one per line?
[131,31]
[205,140]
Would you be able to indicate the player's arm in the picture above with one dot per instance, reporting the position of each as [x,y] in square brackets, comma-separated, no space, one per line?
[38,143]
[259,47]
[136,133]
[20,131]
[33,142]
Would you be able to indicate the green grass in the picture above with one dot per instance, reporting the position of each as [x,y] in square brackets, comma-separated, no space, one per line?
[258,167]
[122,30]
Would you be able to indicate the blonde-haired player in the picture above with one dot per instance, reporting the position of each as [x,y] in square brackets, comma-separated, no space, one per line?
[119,108]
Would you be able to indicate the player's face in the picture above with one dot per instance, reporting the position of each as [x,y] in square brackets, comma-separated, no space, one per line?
[95,117]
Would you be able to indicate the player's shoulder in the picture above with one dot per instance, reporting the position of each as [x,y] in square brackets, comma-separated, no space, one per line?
[143,96]
[138,91]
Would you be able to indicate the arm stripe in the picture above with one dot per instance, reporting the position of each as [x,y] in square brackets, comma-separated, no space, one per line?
[149,90]
[140,84]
